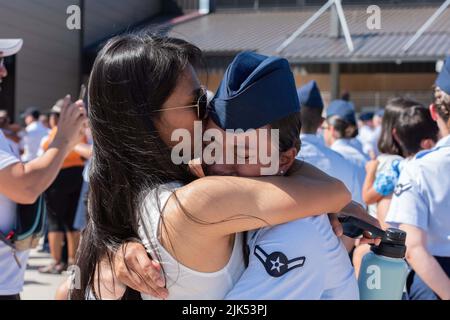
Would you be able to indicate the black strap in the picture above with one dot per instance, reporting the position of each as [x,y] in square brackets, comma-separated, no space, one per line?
[131,294]
[6,241]
[13,297]
[246,249]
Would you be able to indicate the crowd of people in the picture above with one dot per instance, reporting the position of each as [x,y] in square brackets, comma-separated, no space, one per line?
[153,229]
[27,172]
[65,201]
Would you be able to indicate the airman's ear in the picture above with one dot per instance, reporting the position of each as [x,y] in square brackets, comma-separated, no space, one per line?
[287,158]
[321,122]
[333,132]
[434,113]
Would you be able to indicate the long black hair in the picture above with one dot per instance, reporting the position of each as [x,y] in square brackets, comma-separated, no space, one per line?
[394,108]
[132,77]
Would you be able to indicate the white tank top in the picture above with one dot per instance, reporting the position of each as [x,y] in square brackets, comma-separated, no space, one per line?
[184,283]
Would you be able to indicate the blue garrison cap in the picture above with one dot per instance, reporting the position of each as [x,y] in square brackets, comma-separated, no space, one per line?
[366,116]
[31,111]
[309,96]
[380,113]
[443,80]
[343,109]
[256,90]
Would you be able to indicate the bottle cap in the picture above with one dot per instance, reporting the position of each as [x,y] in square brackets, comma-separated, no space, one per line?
[392,244]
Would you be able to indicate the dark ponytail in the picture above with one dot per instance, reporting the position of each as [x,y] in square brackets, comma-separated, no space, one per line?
[344,129]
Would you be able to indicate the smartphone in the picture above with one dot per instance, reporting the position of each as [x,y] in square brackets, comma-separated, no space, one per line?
[83,90]
[354,228]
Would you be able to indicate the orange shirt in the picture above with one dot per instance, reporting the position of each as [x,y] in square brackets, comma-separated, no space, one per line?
[73,159]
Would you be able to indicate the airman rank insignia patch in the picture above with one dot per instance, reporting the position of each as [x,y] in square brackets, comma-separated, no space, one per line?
[276,263]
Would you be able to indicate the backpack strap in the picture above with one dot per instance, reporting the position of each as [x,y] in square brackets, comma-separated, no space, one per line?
[8,239]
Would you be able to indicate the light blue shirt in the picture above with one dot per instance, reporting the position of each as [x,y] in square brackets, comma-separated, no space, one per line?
[350,151]
[315,152]
[422,197]
[368,137]
[357,144]
[300,260]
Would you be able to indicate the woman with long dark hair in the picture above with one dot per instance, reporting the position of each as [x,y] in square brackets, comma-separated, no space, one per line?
[141,89]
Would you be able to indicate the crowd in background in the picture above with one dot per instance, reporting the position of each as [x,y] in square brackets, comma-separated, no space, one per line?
[66,197]
[370,152]
[365,145]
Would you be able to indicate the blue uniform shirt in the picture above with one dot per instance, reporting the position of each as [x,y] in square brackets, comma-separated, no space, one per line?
[300,260]
[350,149]
[422,197]
[315,152]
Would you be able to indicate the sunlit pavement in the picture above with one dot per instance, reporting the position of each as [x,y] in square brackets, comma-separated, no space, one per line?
[40,286]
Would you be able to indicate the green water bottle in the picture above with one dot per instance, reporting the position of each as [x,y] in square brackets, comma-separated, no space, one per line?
[384,270]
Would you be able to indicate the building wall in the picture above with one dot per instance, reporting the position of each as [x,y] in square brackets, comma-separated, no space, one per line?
[367,90]
[258,4]
[48,66]
[103,18]
[375,89]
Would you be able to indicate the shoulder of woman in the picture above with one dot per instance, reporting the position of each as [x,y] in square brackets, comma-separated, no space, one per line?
[156,197]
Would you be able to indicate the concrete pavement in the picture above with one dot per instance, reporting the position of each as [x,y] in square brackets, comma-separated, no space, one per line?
[40,286]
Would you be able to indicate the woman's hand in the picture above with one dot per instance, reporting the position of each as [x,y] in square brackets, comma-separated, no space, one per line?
[136,270]
[355,210]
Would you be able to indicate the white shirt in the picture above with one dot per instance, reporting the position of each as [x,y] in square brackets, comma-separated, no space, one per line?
[184,283]
[422,197]
[14,146]
[300,260]
[11,276]
[369,139]
[347,149]
[315,152]
[31,141]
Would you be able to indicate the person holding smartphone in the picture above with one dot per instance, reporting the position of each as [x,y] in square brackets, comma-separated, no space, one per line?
[23,183]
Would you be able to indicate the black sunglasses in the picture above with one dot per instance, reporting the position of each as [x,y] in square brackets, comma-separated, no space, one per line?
[201,105]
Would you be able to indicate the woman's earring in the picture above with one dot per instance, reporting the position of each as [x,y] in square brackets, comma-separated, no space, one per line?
[281,173]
